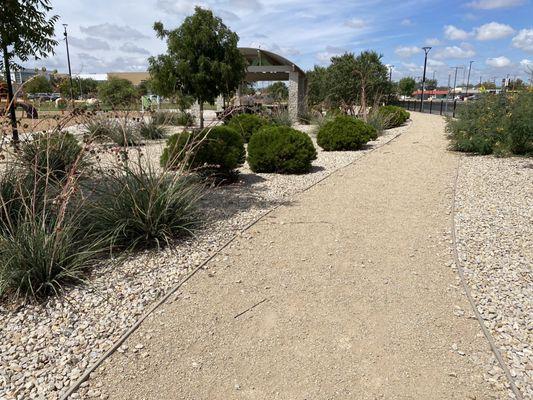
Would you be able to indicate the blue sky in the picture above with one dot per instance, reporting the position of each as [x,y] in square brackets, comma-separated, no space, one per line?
[117,35]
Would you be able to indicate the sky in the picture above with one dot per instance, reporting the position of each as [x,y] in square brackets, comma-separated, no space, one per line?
[117,35]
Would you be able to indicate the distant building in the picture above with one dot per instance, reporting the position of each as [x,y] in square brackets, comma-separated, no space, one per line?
[24,74]
[134,77]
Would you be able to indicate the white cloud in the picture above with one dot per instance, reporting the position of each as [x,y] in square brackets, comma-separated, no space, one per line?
[432,42]
[526,63]
[455,52]
[130,47]
[454,33]
[407,51]
[88,43]
[112,31]
[493,4]
[356,23]
[524,40]
[331,51]
[498,62]
[406,22]
[435,63]
[492,31]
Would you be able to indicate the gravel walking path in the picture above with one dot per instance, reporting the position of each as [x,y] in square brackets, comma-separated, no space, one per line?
[343,293]
[45,348]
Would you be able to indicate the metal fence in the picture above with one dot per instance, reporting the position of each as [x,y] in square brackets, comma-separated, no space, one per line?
[440,107]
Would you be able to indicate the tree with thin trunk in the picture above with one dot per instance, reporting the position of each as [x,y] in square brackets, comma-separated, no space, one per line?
[373,78]
[202,60]
[25,31]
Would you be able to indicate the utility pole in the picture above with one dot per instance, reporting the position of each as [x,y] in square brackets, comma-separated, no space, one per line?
[455,79]
[68,60]
[468,79]
[426,51]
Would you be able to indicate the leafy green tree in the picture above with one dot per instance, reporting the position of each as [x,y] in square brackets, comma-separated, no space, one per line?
[373,78]
[317,87]
[278,90]
[341,82]
[38,84]
[431,84]
[202,59]
[407,86]
[81,87]
[26,30]
[117,92]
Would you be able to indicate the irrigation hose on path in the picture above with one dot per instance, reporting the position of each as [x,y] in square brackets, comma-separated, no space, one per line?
[466,289]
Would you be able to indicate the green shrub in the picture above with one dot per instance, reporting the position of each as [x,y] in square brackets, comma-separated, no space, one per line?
[214,151]
[179,118]
[281,118]
[138,207]
[396,116]
[499,124]
[345,133]
[37,258]
[247,124]
[379,120]
[122,133]
[281,149]
[53,154]
[151,131]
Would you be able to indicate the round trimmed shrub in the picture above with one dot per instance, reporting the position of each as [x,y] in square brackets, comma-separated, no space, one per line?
[53,154]
[219,150]
[247,124]
[280,149]
[345,133]
[395,116]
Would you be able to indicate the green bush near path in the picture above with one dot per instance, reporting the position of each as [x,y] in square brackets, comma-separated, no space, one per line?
[247,124]
[281,149]
[500,124]
[216,151]
[345,133]
[395,116]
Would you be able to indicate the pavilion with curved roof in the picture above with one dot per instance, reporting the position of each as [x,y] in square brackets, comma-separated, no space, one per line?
[265,65]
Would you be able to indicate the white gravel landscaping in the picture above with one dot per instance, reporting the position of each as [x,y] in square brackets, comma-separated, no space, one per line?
[44,348]
[494,222]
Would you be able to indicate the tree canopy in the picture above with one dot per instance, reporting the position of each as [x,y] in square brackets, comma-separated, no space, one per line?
[278,90]
[117,92]
[38,84]
[80,86]
[202,60]
[407,86]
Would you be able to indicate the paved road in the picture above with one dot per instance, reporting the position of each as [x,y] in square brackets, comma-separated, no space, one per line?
[359,301]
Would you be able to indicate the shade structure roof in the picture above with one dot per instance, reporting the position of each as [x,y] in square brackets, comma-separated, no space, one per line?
[264,65]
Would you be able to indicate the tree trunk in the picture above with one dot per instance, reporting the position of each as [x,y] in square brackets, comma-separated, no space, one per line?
[363,101]
[201,105]
[11,97]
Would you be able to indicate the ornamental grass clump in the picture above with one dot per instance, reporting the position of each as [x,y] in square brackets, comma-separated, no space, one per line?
[500,124]
[123,133]
[214,152]
[179,118]
[394,115]
[247,124]
[136,206]
[345,133]
[281,149]
[53,154]
[151,130]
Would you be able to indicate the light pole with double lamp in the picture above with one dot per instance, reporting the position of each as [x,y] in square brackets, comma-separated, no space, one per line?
[426,51]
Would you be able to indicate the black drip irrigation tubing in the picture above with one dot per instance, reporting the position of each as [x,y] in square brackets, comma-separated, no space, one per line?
[72,389]
[468,293]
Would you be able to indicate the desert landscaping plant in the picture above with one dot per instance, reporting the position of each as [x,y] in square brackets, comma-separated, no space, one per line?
[281,149]
[123,132]
[151,130]
[345,133]
[247,124]
[138,206]
[500,124]
[396,116]
[216,151]
[179,118]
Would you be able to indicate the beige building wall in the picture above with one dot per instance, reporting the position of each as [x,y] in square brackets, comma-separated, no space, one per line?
[134,77]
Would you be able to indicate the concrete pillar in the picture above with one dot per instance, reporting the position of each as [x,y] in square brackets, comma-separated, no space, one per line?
[297,93]
[195,110]
[219,103]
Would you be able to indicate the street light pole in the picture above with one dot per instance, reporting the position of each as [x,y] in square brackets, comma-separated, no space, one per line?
[455,80]
[426,51]
[468,79]
[68,60]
